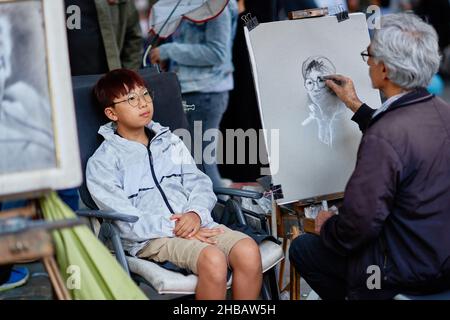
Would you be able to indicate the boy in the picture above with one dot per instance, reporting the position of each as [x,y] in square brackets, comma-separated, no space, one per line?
[144,170]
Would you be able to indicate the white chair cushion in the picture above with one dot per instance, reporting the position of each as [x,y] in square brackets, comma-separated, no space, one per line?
[271,254]
[169,282]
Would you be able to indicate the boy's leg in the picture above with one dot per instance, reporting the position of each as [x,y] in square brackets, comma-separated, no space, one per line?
[245,260]
[323,270]
[206,261]
[212,275]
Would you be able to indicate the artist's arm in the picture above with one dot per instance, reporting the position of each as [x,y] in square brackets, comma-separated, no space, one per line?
[369,197]
[345,90]
[362,116]
[211,52]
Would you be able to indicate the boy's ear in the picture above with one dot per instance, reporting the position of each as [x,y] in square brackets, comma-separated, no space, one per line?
[111,114]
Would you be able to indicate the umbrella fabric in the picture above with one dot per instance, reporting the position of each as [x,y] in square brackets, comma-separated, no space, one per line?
[193,10]
[86,265]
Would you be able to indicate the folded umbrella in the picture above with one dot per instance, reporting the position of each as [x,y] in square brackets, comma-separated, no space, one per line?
[90,271]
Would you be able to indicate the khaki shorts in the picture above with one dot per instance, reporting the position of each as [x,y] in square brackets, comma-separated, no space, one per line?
[184,253]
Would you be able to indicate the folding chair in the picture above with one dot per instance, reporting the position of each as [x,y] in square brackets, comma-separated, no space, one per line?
[169,112]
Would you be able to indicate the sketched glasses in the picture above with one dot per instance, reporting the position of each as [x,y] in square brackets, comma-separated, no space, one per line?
[319,82]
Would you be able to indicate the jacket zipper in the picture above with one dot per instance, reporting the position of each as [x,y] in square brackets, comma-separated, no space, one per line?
[161,191]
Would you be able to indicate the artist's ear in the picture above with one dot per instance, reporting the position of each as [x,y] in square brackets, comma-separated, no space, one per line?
[384,70]
[111,113]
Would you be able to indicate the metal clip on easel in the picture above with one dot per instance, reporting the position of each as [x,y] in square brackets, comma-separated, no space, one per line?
[249,21]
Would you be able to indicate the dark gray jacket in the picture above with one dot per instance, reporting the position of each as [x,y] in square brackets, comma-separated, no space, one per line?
[396,211]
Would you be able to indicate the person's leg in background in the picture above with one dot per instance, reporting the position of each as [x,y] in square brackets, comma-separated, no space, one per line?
[209,109]
[323,270]
[12,276]
[70,197]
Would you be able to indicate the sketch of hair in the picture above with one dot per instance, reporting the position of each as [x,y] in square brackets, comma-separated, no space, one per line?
[324,107]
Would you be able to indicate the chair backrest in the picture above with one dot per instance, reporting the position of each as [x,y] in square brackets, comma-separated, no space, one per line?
[167,104]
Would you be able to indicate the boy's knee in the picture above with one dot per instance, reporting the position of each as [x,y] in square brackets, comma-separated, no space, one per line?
[213,262]
[247,249]
[245,254]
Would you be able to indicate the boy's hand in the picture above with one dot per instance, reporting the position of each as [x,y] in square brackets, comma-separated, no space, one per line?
[187,224]
[204,235]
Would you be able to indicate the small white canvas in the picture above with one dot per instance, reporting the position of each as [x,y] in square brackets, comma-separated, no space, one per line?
[318,142]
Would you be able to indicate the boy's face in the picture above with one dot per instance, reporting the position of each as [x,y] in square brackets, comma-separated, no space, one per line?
[133,110]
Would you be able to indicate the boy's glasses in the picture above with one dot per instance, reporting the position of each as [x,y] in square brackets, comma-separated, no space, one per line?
[134,98]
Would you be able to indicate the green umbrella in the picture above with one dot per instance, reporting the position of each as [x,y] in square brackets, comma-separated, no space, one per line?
[86,265]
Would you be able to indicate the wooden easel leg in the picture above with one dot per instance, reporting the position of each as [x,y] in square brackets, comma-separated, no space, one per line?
[294,284]
[293,274]
[282,264]
[55,278]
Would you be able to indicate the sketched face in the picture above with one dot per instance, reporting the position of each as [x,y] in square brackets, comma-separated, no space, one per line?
[324,106]
[313,69]
[315,85]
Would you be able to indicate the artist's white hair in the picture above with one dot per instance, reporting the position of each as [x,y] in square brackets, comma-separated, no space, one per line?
[409,49]
[5,44]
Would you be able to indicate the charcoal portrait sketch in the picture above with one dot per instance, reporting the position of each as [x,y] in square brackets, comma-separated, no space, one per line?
[324,106]
[39,148]
[317,140]
[27,137]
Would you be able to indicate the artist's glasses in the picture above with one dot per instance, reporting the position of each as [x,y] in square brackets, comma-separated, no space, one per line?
[134,98]
[319,82]
[366,55]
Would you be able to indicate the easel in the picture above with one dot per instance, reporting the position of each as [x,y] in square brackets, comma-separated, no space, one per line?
[29,244]
[278,217]
[304,226]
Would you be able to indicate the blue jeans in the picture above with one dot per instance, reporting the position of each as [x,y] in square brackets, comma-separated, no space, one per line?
[322,269]
[209,109]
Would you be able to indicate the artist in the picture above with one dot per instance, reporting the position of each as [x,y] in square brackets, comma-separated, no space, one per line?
[392,233]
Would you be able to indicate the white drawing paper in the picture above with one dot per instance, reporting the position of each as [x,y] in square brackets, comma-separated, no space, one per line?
[318,142]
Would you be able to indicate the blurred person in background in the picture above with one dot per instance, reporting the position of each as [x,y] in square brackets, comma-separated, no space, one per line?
[109,36]
[201,55]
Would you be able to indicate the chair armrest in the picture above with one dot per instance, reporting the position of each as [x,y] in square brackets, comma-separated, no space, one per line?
[238,193]
[110,215]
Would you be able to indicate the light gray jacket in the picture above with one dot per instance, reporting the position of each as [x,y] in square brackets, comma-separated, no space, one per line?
[127,177]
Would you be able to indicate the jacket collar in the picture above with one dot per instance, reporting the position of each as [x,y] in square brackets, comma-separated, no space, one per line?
[108,130]
[415,96]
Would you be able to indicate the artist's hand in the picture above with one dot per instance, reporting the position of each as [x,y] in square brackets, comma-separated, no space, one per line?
[345,91]
[205,235]
[155,57]
[321,218]
[186,225]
